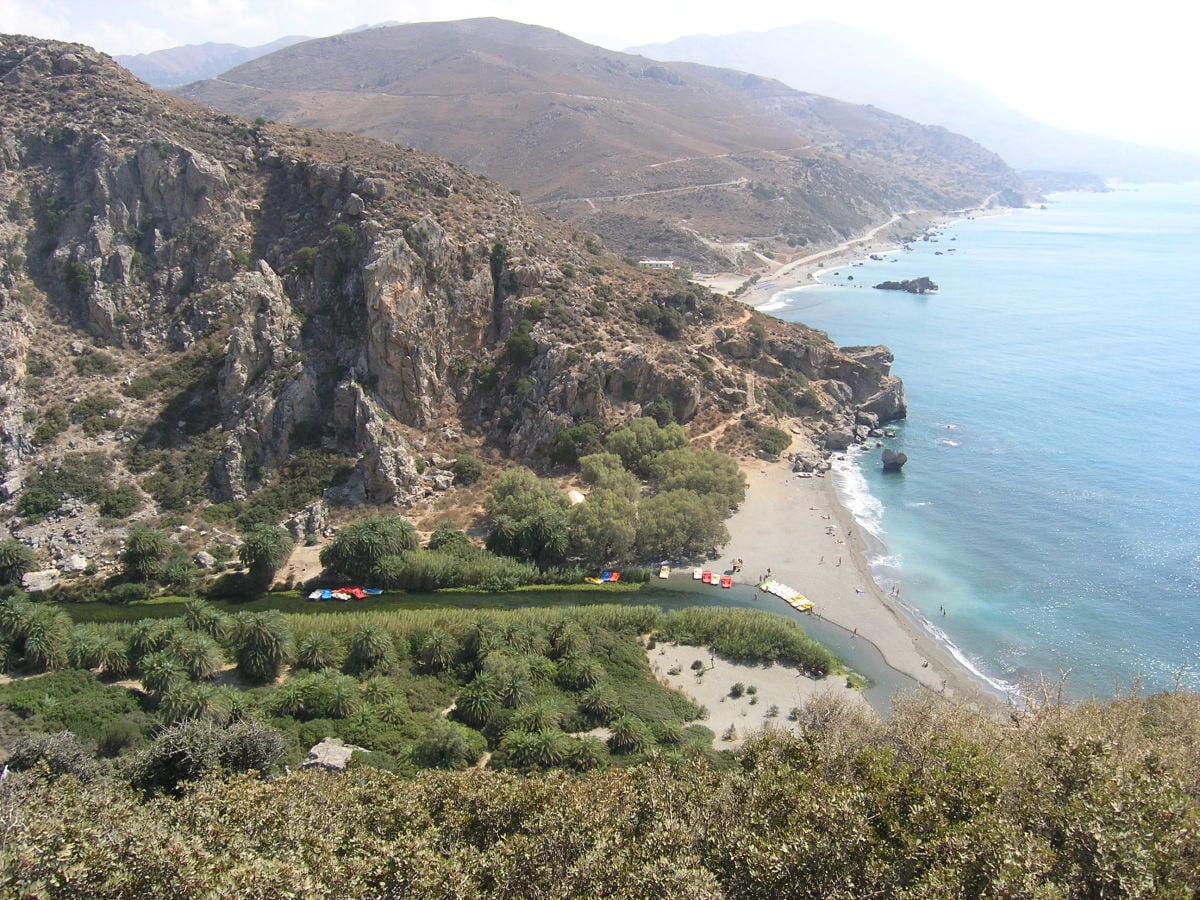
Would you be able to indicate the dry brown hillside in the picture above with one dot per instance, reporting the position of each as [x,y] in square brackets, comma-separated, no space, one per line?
[639,151]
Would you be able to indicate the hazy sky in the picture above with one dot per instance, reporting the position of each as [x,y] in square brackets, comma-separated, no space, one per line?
[1124,70]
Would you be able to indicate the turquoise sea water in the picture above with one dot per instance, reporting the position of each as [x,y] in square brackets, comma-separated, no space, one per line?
[1051,502]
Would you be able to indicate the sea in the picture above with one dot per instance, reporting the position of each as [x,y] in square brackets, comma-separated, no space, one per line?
[1046,527]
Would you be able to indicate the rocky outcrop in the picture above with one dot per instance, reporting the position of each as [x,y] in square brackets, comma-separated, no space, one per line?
[258,293]
[331,753]
[894,460]
[922,285]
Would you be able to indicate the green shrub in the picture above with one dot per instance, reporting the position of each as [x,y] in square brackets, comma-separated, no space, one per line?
[773,441]
[192,750]
[58,754]
[467,469]
[359,547]
[15,560]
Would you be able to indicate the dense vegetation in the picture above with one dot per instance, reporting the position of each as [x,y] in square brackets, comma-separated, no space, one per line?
[413,688]
[1087,801]
[651,496]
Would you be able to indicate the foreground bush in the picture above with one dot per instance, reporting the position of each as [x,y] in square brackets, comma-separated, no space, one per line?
[1094,800]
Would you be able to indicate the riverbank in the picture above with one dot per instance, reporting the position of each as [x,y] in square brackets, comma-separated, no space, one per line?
[796,528]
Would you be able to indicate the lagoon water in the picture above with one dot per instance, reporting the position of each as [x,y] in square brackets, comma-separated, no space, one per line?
[1051,502]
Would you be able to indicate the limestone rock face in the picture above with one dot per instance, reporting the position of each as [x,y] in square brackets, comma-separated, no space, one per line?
[386,469]
[263,293]
[416,325]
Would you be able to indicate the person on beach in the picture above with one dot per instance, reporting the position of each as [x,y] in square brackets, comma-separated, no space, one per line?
[839,561]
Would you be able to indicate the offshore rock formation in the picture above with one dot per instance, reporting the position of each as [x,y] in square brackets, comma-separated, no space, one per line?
[922,285]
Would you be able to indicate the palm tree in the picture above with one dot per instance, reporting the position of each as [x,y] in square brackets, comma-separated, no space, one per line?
[517,747]
[83,647]
[393,710]
[548,747]
[525,638]
[587,753]
[112,656]
[478,701]
[515,689]
[186,700]
[198,615]
[264,549]
[263,644]
[568,639]
[627,734]
[15,560]
[197,653]
[482,638]
[537,717]
[147,636]
[344,697]
[45,637]
[145,551]
[599,702]
[437,650]
[318,650]
[668,732]
[369,647]
[291,698]
[578,673]
[378,689]
[542,669]
[357,548]
[160,672]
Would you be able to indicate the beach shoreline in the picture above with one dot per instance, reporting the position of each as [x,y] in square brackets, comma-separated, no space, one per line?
[888,237]
[798,529]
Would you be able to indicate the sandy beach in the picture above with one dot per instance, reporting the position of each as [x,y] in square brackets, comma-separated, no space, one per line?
[797,528]
[771,691]
[802,271]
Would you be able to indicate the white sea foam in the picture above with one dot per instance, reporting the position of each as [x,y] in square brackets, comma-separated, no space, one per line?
[855,495]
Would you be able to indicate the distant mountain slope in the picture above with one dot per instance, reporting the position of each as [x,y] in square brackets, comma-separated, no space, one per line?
[195,62]
[628,147]
[863,67]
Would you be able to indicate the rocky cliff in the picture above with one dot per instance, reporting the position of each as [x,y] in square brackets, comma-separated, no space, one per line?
[196,310]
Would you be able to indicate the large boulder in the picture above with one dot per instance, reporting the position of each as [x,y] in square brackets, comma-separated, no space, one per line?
[331,753]
[894,460]
[33,582]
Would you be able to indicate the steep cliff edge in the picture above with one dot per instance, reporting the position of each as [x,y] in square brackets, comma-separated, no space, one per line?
[194,309]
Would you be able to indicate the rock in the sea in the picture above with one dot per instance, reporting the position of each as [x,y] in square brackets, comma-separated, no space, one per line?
[894,460]
[922,285]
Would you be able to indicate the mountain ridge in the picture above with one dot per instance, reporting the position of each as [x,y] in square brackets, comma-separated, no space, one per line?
[862,66]
[633,149]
